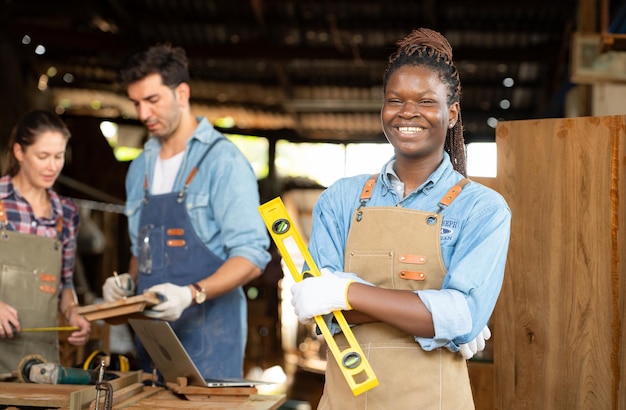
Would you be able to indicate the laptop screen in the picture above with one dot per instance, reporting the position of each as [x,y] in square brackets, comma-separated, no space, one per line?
[169,355]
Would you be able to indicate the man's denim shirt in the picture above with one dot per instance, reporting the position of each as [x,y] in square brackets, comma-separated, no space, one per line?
[222,200]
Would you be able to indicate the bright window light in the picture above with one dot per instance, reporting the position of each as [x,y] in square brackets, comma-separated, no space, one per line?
[326,163]
[482,159]
[108,129]
[367,158]
[256,151]
[323,163]
[126,141]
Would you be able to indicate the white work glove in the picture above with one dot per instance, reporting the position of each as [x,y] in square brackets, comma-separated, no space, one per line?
[175,300]
[468,350]
[319,295]
[112,291]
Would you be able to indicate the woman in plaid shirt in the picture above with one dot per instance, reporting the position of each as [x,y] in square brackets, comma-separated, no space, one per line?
[38,231]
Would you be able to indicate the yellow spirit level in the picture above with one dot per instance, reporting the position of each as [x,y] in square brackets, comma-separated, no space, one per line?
[352,362]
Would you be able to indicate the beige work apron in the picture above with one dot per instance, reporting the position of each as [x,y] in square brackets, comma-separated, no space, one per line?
[398,248]
[30,271]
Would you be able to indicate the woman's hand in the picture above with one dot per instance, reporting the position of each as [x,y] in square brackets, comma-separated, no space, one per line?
[81,336]
[9,323]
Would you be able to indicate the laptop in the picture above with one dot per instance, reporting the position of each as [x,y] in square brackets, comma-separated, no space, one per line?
[170,357]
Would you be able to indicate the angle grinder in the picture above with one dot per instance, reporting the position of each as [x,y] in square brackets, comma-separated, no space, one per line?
[35,369]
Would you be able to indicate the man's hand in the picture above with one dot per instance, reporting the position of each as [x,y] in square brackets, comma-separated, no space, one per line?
[476,345]
[176,300]
[118,287]
[319,295]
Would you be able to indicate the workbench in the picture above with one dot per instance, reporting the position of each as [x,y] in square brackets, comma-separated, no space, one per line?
[129,392]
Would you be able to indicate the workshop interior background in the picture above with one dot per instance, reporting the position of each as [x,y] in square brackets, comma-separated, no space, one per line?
[282,78]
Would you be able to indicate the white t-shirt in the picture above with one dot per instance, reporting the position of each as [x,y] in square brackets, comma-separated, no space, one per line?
[165,171]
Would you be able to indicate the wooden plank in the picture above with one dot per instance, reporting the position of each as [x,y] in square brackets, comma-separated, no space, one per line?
[37,395]
[118,311]
[558,319]
[483,384]
[127,394]
[145,393]
[148,391]
[72,396]
[119,395]
[167,400]
[82,398]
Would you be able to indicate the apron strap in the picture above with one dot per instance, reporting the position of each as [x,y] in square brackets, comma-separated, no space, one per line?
[146,187]
[194,170]
[368,188]
[444,202]
[3,215]
[60,225]
[366,194]
[452,194]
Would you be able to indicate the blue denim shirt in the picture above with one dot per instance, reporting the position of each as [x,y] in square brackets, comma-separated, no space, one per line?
[474,244]
[222,200]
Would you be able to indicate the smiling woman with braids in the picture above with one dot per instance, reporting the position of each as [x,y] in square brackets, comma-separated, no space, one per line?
[415,255]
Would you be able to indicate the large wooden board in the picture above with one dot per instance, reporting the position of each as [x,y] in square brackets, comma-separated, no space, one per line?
[560,336]
[119,311]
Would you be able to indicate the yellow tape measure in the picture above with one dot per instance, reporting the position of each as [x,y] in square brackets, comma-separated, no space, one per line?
[352,362]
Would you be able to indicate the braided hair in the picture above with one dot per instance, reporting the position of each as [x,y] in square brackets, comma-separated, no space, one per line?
[425,47]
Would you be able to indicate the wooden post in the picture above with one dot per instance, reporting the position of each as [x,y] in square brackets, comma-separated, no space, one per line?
[559,320]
